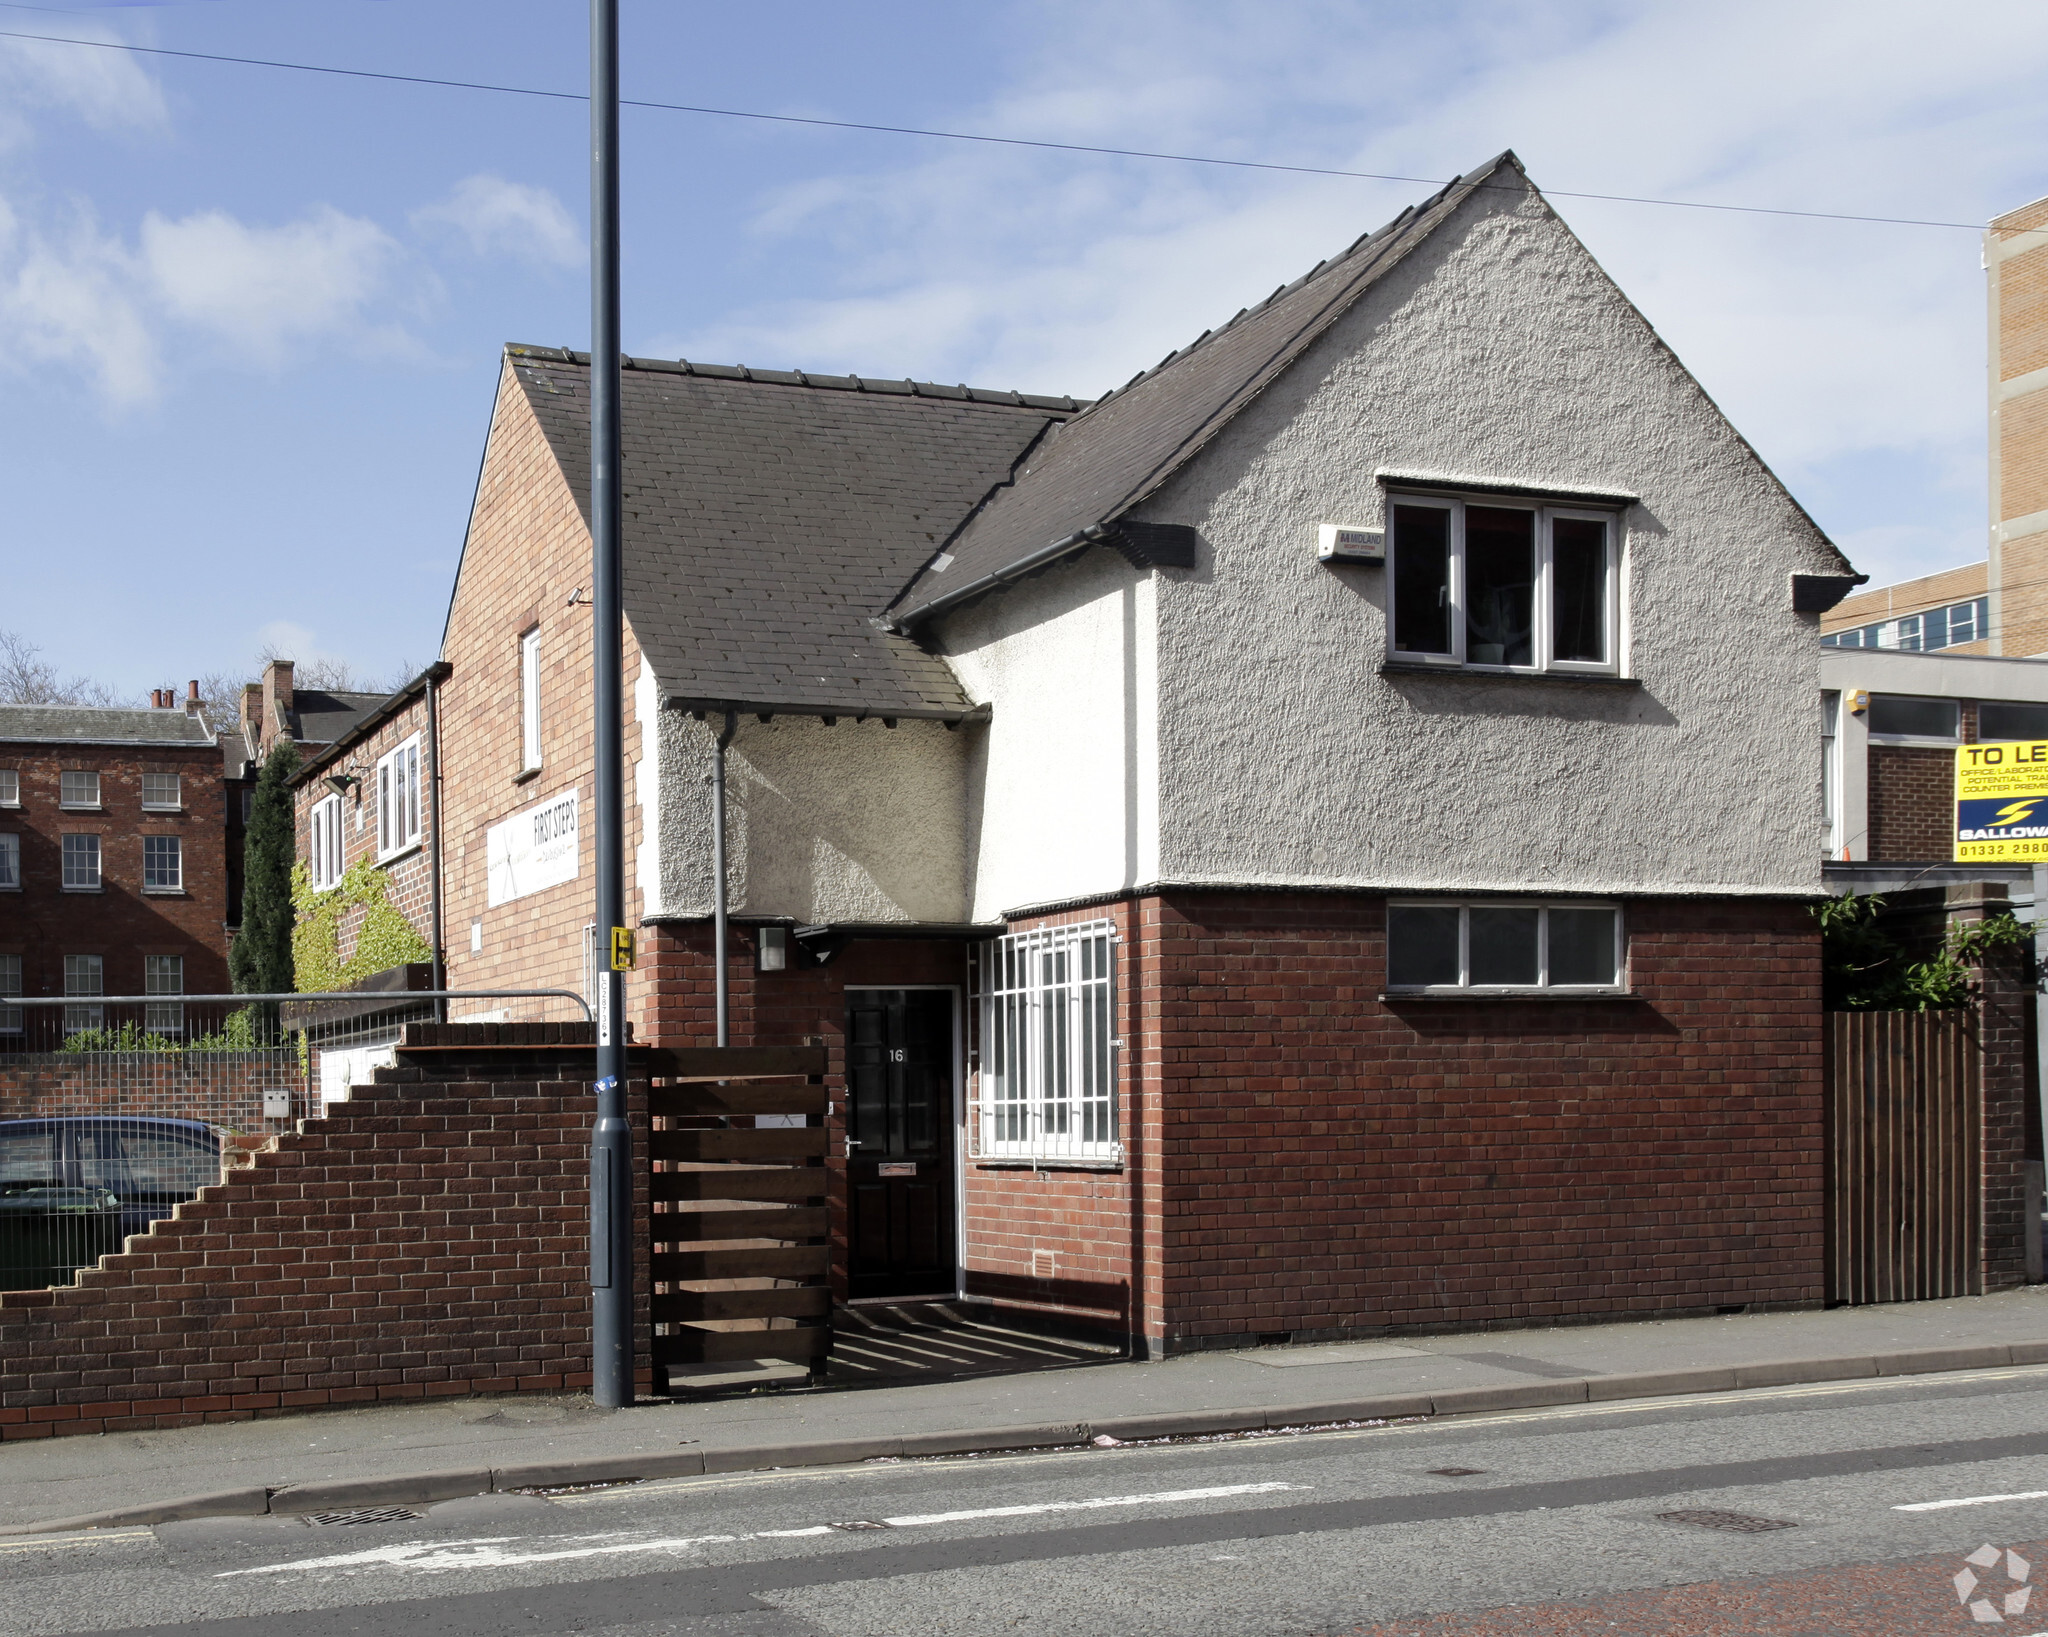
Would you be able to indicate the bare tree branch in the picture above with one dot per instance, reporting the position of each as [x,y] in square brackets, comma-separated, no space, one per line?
[26,679]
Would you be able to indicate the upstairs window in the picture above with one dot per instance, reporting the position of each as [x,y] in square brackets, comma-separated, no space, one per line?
[10,984]
[162,793]
[10,787]
[1435,945]
[163,864]
[1922,633]
[78,788]
[81,863]
[398,799]
[1502,586]
[324,866]
[1903,716]
[529,700]
[2001,719]
[10,863]
[1048,1047]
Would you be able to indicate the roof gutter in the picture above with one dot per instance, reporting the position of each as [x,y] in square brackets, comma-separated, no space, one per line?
[438,672]
[766,709]
[1031,562]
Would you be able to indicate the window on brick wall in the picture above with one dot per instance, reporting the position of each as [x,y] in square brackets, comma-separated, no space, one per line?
[78,788]
[10,984]
[163,975]
[325,837]
[84,975]
[163,864]
[1048,1045]
[10,863]
[1501,947]
[10,787]
[529,699]
[81,863]
[1906,716]
[2002,719]
[398,799]
[162,792]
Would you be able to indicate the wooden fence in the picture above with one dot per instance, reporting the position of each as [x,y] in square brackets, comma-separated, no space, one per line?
[1905,1156]
[740,1256]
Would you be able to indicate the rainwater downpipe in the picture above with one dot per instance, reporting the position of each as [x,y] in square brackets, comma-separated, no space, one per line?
[723,976]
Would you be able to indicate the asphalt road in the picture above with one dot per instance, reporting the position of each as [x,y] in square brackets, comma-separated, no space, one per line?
[1539,1522]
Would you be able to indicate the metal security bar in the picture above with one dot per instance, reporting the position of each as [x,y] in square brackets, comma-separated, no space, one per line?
[1047,1082]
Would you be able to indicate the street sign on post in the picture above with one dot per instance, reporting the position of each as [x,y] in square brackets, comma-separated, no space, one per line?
[611,1139]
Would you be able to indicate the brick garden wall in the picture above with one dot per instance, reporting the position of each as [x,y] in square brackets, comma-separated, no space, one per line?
[1335,1165]
[421,1241]
[223,1089]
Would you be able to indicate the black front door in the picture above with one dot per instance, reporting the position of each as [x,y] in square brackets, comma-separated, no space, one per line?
[899,1142]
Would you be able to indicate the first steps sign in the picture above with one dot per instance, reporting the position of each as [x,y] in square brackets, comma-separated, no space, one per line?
[2002,802]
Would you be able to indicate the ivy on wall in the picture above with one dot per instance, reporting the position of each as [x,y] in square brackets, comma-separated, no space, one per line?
[385,938]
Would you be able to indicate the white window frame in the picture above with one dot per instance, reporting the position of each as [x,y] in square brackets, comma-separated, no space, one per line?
[175,882]
[77,975]
[1047,1079]
[10,984]
[64,800]
[529,700]
[163,975]
[398,800]
[10,787]
[1542,986]
[325,844]
[99,862]
[1542,617]
[1831,773]
[10,861]
[157,805]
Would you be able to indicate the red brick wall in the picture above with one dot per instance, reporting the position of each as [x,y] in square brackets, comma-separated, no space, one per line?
[224,1089]
[1912,804]
[42,923]
[1331,1164]
[421,1241]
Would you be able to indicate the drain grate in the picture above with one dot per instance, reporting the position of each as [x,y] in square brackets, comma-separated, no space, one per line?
[1740,1523]
[367,1514]
[1457,1471]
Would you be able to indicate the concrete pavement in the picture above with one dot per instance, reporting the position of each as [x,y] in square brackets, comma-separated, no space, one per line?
[429,1450]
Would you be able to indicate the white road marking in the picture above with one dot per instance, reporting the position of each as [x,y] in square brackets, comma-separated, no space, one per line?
[1973,1500]
[492,1552]
[1163,1495]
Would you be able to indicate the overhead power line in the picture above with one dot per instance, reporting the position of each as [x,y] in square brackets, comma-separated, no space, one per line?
[957,136]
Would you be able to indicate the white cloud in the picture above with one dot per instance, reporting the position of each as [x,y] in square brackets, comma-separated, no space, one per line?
[501,218]
[69,298]
[109,90]
[262,288]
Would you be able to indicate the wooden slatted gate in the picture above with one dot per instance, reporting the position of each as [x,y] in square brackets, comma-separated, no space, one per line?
[1905,1157]
[740,1256]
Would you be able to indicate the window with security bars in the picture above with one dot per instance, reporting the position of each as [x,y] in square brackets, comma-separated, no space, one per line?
[162,792]
[84,975]
[163,864]
[163,975]
[81,863]
[1048,1045]
[10,984]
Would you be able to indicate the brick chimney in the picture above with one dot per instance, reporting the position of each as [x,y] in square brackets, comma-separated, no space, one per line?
[194,705]
[277,705]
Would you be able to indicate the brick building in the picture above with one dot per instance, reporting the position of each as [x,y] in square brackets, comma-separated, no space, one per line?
[1270,852]
[113,863]
[2000,605]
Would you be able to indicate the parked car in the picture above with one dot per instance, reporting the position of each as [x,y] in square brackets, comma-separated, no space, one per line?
[73,1187]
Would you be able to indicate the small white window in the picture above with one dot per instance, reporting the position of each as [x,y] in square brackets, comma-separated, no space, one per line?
[1502,585]
[1048,1045]
[10,863]
[163,975]
[10,787]
[529,699]
[10,984]
[163,864]
[162,793]
[77,788]
[81,863]
[398,799]
[84,975]
[1503,946]
[325,844]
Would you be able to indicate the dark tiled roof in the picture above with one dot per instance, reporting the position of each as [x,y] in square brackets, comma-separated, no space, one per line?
[86,725]
[320,717]
[1107,461]
[769,515]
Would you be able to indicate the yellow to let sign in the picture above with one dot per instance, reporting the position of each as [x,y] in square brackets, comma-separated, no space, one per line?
[622,949]
[2002,802]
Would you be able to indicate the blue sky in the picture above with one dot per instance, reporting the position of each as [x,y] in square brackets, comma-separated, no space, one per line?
[250,319]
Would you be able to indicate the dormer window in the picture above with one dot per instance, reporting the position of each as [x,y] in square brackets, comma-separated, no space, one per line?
[1501,585]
